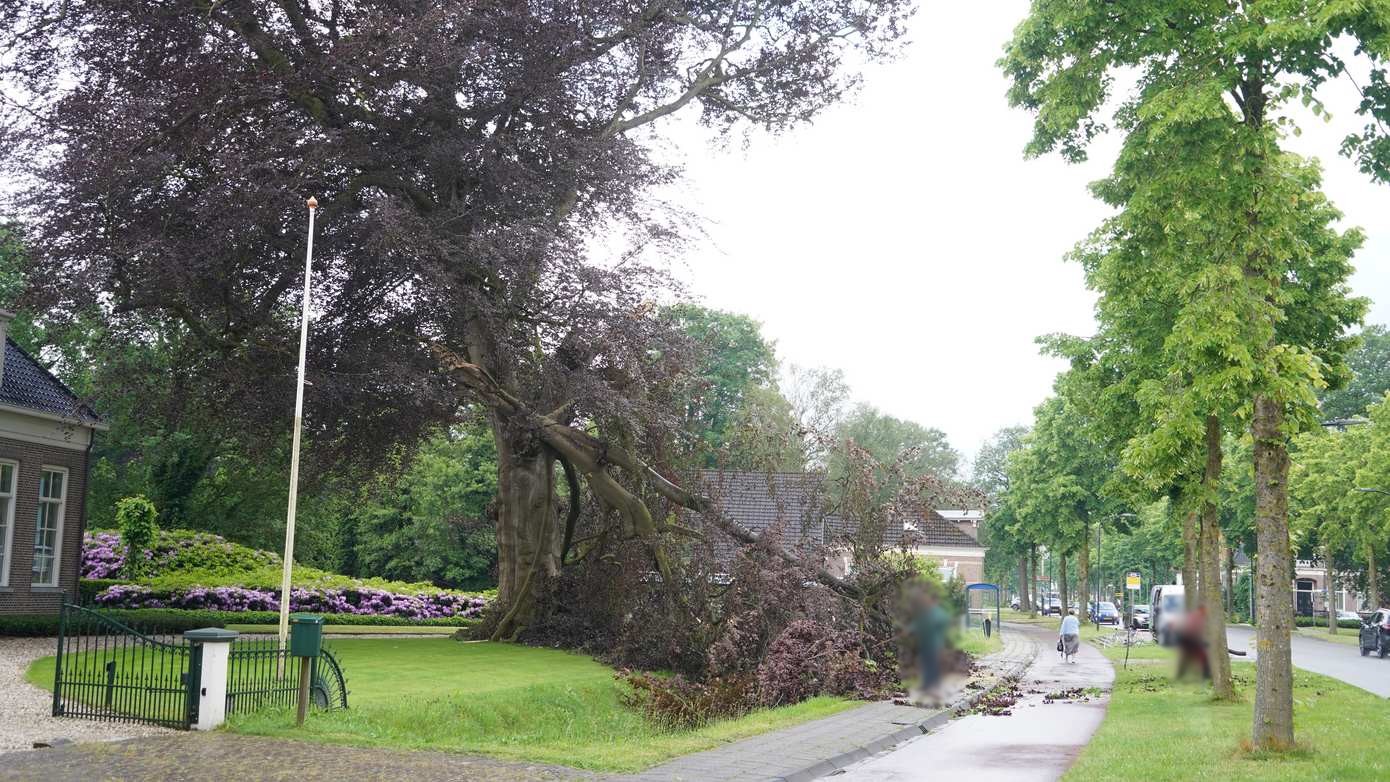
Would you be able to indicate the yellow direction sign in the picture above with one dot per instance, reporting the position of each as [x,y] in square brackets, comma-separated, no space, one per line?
[1132,582]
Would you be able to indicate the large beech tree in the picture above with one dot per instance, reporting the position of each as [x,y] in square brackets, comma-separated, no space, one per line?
[471,159]
[1230,68]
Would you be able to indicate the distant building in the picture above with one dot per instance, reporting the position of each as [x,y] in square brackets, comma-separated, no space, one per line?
[797,505]
[45,438]
[1310,579]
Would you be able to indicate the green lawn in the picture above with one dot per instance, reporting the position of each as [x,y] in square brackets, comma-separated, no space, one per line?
[1157,729]
[1344,635]
[510,701]
[356,629]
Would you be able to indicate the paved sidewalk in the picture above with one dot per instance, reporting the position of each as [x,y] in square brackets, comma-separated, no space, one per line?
[1039,740]
[822,747]
[222,757]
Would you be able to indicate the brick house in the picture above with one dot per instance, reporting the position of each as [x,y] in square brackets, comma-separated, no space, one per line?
[45,440]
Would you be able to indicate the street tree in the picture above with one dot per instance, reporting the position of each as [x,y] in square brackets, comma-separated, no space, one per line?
[1229,69]
[484,174]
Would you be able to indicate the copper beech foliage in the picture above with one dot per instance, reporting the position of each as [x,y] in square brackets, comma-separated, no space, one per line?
[485,175]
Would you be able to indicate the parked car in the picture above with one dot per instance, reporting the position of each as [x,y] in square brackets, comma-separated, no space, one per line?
[1167,603]
[1349,616]
[1375,634]
[1139,617]
[1105,613]
[1015,605]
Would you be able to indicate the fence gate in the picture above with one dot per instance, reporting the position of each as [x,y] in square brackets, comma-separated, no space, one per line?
[106,670]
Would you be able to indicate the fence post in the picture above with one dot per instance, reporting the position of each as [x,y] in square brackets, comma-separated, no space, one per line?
[213,645]
[58,661]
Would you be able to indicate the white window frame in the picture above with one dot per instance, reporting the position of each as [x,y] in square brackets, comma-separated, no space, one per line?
[62,503]
[7,505]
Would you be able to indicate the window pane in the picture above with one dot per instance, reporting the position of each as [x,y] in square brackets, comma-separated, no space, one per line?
[6,478]
[45,539]
[51,484]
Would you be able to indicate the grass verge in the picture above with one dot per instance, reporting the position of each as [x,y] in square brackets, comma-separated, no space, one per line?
[518,702]
[354,629]
[975,642]
[1159,729]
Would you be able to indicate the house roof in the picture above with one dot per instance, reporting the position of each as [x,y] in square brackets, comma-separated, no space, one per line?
[934,529]
[27,384]
[759,501]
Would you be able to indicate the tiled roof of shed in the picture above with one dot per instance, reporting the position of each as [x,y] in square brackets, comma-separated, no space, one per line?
[26,383]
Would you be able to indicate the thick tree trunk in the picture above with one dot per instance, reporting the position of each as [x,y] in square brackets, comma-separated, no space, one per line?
[1372,580]
[1328,591]
[1210,560]
[1033,576]
[1062,593]
[1273,717]
[528,528]
[1083,571]
[1024,604]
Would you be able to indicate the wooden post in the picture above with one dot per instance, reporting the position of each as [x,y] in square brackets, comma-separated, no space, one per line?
[303,691]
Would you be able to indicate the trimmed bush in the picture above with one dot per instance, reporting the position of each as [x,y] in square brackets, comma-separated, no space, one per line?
[1319,621]
[138,520]
[171,620]
[89,588]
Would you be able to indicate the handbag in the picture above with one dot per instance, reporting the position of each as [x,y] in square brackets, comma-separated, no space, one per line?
[1059,644]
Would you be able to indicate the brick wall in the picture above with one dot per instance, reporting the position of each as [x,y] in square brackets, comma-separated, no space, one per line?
[19,597]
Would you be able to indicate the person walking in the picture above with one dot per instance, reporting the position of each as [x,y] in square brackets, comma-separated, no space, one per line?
[1070,635]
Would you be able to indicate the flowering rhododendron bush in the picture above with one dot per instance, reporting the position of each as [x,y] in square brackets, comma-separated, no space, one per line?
[199,570]
[363,600]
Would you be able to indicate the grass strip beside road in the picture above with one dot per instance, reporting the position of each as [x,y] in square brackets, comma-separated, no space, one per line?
[1343,635]
[1159,729]
[504,700]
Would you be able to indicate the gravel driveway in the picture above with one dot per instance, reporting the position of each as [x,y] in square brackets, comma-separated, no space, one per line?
[25,710]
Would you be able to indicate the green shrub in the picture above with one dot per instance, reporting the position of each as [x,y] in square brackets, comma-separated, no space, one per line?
[89,588]
[139,523]
[176,620]
[1320,621]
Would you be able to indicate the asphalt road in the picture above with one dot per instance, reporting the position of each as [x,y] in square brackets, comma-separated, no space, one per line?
[1340,661]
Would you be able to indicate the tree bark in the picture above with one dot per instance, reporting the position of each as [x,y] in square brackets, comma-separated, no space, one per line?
[1372,580]
[1062,592]
[528,530]
[1327,589]
[1083,570]
[1023,602]
[1273,717]
[1228,566]
[1033,575]
[1210,563]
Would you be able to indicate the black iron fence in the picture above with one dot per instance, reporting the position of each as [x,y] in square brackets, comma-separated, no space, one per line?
[263,675]
[106,670]
[109,670]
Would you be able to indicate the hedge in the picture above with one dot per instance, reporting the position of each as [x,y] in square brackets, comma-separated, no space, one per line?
[1322,622]
[172,620]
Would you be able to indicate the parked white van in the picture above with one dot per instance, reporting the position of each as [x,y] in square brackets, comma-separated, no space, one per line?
[1166,603]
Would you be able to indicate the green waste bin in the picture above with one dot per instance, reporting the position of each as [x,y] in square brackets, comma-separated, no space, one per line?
[306,635]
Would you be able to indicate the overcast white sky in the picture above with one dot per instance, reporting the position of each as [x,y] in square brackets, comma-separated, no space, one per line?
[904,239]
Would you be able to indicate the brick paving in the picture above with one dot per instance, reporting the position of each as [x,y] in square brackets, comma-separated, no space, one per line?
[823,746]
[218,756]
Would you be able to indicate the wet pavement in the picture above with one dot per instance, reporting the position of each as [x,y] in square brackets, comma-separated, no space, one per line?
[1035,740]
[1340,661]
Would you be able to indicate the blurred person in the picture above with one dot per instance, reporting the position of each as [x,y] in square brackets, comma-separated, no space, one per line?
[929,628]
[1070,635]
[1192,643]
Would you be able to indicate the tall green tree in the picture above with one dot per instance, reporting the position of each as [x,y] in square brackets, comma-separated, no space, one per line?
[1227,69]
[1370,370]
[885,437]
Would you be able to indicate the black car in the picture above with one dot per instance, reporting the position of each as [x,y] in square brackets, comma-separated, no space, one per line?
[1375,634]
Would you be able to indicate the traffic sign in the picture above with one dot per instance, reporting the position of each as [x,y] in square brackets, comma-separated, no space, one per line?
[1132,582]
